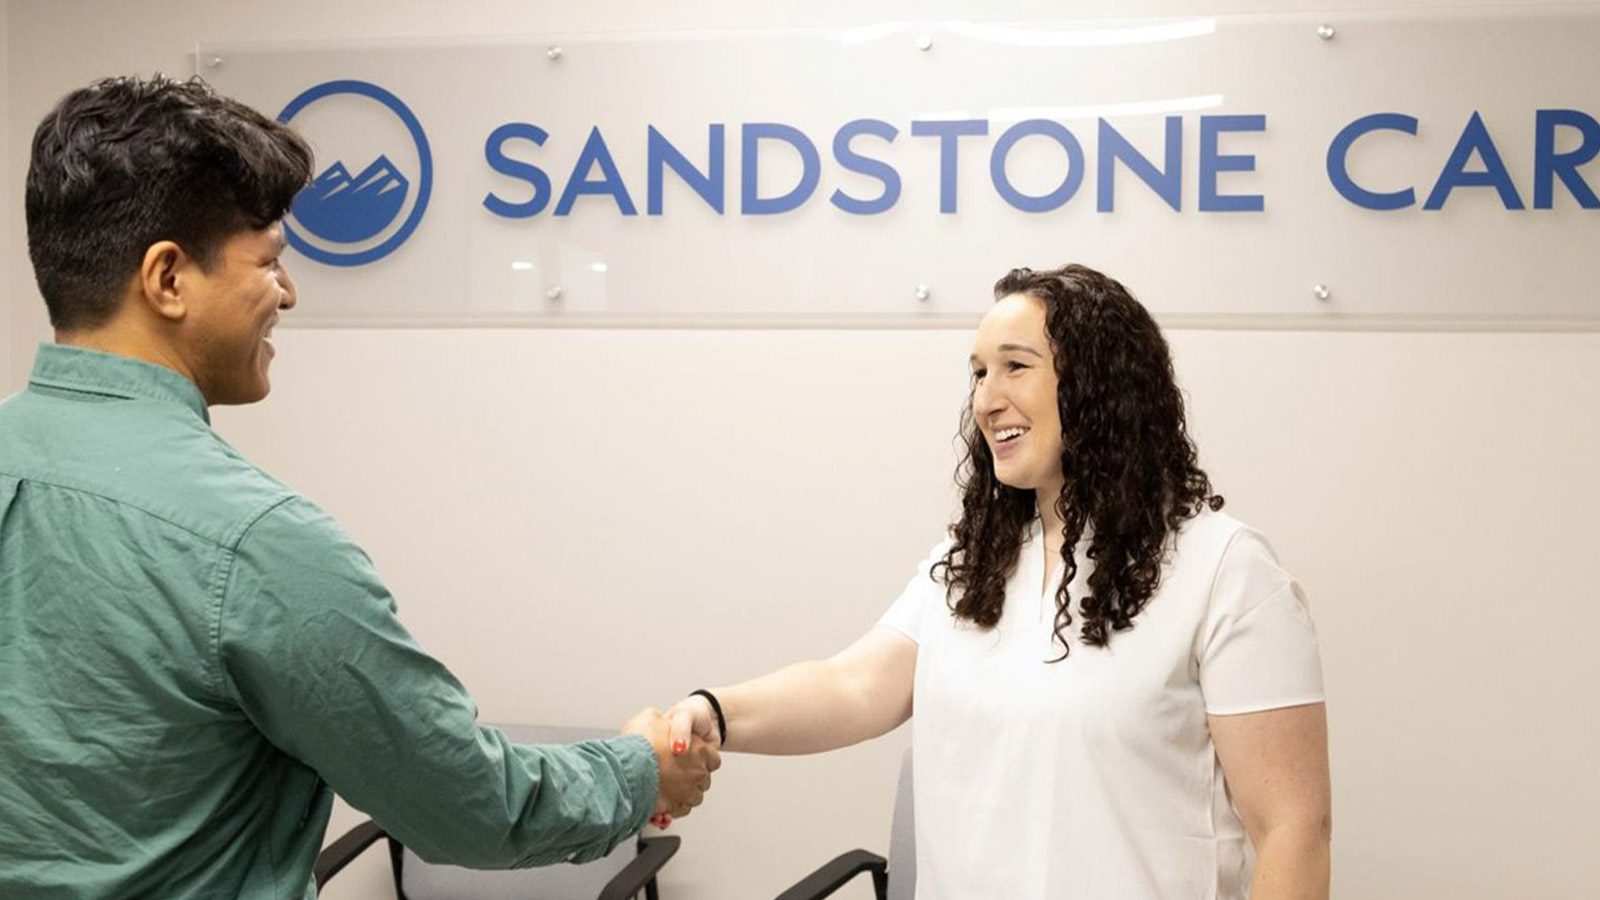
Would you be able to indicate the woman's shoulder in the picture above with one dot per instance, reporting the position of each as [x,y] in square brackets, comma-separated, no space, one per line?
[1232,551]
[1210,530]
[1215,540]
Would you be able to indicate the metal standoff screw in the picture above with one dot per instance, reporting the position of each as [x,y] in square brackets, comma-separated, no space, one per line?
[554,293]
[924,42]
[213,62]
[1320,291]
[922,292]
[1325,31]
[553,52]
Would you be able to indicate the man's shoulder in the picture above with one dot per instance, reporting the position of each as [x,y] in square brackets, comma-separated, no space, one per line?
[209,483]
[156,460]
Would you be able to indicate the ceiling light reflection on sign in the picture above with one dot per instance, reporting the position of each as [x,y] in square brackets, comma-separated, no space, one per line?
[1107,110]
[1034,36]
[868,33]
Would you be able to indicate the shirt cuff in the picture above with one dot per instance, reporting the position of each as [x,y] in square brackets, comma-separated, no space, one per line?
[642,774]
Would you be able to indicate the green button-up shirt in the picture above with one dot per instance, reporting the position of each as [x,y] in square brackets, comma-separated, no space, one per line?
[193,658]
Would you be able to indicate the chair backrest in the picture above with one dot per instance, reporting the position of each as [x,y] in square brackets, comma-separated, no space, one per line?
[421,880]
[903,838]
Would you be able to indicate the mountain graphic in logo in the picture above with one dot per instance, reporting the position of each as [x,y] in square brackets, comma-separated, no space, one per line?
[337,207]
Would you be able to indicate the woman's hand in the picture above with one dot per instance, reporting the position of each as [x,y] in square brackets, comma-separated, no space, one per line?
[693,717]
[690,718]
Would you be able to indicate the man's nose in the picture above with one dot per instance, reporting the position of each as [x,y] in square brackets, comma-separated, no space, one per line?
[289,294]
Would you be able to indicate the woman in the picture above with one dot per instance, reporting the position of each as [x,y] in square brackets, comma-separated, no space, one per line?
[1117,687]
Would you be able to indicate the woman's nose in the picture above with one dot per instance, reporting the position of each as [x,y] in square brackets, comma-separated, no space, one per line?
[985,399]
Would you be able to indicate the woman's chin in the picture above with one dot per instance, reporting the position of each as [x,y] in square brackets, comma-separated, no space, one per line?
[1011,478]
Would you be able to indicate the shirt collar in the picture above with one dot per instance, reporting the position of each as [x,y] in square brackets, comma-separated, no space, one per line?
[107,374]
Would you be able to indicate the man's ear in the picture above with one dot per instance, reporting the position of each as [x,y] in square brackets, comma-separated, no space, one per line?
[161,279]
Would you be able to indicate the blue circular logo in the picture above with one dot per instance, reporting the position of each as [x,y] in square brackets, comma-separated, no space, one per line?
[340,208]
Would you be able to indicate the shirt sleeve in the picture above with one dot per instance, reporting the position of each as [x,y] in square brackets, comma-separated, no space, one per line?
[922,593]
[312,651]
[1257,647]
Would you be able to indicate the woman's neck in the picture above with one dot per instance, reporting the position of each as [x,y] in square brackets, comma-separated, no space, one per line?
[1049,518]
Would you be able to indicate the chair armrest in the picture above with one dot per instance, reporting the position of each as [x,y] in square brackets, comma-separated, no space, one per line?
[341,852]
[653,854]
[839,870]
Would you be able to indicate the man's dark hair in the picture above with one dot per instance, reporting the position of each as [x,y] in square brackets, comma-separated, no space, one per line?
[127,162]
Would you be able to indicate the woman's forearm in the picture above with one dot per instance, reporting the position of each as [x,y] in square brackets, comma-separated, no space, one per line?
[809,707]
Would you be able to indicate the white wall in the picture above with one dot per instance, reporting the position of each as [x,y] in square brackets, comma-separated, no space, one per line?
[583,522]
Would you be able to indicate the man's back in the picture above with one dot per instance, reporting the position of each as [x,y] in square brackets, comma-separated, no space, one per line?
[129,768]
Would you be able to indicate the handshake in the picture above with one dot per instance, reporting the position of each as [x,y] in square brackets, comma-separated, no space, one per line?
[687,745]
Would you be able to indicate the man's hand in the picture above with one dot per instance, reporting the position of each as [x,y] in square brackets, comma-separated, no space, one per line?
[684,776]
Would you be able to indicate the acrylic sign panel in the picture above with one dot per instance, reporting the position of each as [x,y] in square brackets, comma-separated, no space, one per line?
[1425,167]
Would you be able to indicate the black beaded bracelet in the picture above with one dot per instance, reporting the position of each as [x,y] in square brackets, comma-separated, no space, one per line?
[722,724]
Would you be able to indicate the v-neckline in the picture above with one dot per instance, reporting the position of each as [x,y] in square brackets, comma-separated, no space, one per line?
[1049,580]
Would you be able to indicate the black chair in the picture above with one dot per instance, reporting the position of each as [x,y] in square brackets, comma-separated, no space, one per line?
[626,872]
[894,878]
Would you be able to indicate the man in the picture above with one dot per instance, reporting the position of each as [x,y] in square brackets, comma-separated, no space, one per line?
[193,658]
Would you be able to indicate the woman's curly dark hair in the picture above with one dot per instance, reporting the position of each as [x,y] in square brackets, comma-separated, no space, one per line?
[1132,474]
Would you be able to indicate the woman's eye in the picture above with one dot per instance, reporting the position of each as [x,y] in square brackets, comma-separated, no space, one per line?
[978,375]
[1014,365]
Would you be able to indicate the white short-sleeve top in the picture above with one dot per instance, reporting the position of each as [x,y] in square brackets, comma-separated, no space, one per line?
[1095,777]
